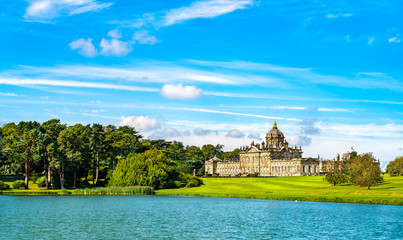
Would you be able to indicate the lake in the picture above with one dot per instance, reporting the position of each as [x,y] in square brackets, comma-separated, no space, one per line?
[173,217]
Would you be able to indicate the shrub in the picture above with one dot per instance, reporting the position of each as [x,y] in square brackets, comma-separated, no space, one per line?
[194,182]
[18,184]
[41,182]
[4,186]
[175,184]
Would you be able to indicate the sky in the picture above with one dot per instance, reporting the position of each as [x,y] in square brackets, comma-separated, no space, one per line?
[211,71]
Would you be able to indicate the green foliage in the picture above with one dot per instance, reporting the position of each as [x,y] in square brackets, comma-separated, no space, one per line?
[364,170]
[395,168]
[150,168]
[18,184]
[41,182]
[194,182]
[4,186]
[336,173]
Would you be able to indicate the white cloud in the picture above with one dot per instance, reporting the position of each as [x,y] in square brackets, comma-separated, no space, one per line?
[115,47]
[201,132]
[254,136]
[9,94]
[204,9]
[85,47]
[115,33]
[298,140]
[180,92]
[168,132]
[371,40]
[45,10]
[235,133]
[395,39]
[143,37]
[77,84]
[141,123]
[339,15]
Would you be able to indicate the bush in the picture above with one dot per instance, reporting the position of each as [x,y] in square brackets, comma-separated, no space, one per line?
[175,184]
[18,184]
[41,182]
[4,186]
[194,182]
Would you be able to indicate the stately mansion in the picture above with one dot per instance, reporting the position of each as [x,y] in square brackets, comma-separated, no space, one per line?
[271,158]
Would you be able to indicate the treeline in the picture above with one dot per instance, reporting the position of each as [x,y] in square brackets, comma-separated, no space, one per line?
[73,156]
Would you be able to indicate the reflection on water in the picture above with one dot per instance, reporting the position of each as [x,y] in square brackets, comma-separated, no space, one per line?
[172,217]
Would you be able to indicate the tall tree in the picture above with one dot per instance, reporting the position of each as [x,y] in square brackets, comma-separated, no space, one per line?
[97,143]
[50,146]
[23,146]
[121,141]
[74,147]
[364,170]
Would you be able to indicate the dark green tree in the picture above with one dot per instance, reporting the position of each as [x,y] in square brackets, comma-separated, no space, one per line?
[74,146]
[121,141]
[395,167]
[364,170]
[97,144]
[23,147]
[50,147]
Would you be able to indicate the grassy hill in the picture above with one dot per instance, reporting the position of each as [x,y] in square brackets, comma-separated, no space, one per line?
[307,188]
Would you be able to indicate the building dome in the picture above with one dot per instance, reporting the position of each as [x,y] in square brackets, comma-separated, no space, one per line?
[274,132]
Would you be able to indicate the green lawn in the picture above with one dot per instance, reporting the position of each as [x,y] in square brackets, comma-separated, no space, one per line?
[311,188]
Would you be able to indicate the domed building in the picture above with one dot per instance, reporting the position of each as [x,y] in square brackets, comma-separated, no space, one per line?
[273,157]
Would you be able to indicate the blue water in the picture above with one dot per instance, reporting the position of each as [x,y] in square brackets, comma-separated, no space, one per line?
[171,217]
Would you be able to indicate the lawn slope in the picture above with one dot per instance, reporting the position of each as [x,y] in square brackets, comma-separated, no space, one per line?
[307,188]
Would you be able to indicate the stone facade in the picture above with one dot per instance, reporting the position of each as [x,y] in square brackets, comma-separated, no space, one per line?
[271,158]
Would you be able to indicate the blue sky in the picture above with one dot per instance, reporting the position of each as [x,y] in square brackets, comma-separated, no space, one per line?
[211,71]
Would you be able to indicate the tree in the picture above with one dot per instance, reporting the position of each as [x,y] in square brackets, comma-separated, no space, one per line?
[50,147]
[97,144]
[194,158]
[23,147]
[120,142]
[151,168]
[364,170]
[395,168]
[74,147]
[336,173]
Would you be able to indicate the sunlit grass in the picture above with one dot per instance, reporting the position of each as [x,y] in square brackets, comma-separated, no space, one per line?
[305,188]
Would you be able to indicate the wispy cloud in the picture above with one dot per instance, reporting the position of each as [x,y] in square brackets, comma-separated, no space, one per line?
[395,39]
[311,109]
[45,10]
[337,15]
[204,9]
[8,94]
[75,84]
[232,113]
[371,40]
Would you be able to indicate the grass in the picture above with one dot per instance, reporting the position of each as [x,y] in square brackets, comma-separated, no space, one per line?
[307,188]
[35,190]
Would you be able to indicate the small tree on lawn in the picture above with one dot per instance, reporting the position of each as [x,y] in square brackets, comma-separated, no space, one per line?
[364,170]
